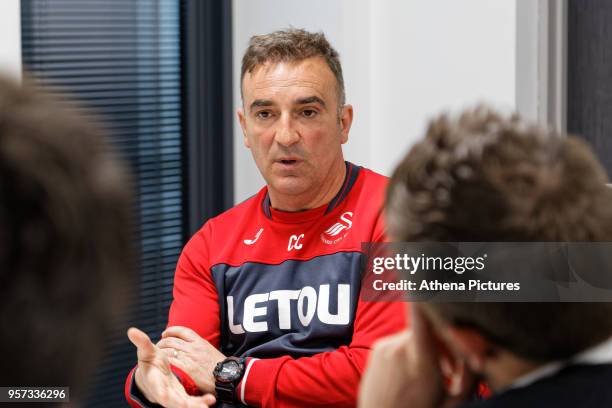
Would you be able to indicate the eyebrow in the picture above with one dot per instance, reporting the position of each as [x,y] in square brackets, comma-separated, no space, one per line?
[311,99]
[258,103]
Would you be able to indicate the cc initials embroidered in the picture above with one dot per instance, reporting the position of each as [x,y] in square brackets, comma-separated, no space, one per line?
[295,242]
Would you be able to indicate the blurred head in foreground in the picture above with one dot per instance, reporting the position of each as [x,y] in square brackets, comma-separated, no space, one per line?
[66,256]
[483,176]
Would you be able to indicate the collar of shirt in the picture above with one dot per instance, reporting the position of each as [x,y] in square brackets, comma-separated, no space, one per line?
[598,354]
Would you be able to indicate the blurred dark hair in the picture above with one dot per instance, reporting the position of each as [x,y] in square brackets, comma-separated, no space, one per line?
[483,176]
[66,257]
[292,45]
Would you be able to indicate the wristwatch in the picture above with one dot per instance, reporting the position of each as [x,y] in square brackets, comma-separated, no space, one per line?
[228,374]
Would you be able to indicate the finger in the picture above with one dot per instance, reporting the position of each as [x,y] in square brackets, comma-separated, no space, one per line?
[172,342]
[199,402]
[172,353]
[177,397]
[424,337]
[169,352]
[181,332]
[458,380]
[419,321]
[463,382]
[180,363]
[422,349]
[448,360]
[171,396]
[146,349]
[209,399]
[385,342]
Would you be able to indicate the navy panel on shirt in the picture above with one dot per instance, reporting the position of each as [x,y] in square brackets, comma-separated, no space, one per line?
[296,308]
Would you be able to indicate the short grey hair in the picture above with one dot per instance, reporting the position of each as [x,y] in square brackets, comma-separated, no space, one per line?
[293,44]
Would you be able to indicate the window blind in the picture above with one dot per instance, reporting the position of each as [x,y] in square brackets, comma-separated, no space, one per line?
[123,59]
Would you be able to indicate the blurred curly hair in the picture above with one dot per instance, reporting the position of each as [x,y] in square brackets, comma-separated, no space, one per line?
[483,176]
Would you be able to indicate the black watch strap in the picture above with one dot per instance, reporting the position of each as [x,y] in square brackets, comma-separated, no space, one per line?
[226,392]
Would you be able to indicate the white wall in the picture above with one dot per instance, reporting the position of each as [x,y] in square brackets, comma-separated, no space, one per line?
[10,38]
[403,62]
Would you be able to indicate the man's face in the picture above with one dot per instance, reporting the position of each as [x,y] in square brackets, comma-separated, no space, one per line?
[292,124]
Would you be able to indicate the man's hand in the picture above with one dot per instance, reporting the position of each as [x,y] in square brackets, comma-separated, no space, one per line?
[192,354]
[405,369]
[156,380]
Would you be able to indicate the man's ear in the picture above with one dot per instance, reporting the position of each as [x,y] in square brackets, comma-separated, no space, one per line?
[346,120]
[473,346]
[242,120]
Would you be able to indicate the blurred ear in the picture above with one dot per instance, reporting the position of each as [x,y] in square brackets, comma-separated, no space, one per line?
[449,359]
[471,345]
[242,120]
[346,120]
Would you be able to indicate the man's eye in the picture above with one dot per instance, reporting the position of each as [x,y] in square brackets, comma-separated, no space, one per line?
[309,113]
[263,114]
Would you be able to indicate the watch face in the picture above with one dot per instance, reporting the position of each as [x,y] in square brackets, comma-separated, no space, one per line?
[230,371]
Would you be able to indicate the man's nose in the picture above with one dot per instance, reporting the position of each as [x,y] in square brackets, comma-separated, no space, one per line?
[286,134]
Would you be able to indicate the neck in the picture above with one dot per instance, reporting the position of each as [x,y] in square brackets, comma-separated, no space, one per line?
[321,194]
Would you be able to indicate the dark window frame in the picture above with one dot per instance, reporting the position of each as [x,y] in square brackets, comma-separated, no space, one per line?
[207,77]
[589,84]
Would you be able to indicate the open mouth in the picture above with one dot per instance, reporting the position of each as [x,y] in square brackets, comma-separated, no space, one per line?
[288,161]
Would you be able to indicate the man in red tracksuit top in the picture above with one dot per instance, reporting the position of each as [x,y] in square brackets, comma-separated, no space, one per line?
[276,280]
